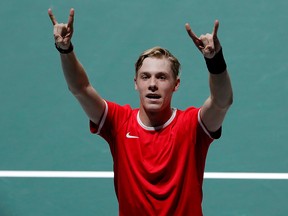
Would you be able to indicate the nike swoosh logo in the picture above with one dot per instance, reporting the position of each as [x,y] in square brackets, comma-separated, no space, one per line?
[130,136]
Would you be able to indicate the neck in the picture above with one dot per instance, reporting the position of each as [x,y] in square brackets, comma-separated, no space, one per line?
[155,119]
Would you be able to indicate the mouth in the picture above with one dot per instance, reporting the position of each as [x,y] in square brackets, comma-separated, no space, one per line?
[153,96]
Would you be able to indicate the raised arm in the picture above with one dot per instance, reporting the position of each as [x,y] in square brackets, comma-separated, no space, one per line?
[216,106]
[75,75]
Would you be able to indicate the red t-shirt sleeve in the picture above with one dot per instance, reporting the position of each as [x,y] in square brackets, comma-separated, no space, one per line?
[212,135]
[113,118]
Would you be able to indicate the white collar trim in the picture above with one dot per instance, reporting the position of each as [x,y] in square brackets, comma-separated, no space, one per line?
[174,111]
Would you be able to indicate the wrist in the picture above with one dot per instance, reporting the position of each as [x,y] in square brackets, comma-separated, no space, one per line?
[217,64]
[65,51]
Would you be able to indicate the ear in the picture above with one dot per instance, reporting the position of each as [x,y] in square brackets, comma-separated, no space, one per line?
[135,84]
[177,84]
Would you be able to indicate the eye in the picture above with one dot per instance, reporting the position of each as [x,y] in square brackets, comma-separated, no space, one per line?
[144,76]
[162,76]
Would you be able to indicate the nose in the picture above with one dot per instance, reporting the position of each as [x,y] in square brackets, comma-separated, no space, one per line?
[153,85]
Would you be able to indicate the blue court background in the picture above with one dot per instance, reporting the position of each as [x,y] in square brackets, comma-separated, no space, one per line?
[43,127]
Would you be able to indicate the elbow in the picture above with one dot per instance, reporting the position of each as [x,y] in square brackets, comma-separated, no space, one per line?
[76,91]
[230,101]
[73,91]
[223,104]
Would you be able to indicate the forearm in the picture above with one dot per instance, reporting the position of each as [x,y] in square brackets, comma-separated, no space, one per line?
[74,73]
[220,84]
[221,90]
[216,106]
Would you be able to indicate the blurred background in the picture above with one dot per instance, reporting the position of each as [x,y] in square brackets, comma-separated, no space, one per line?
[44,129]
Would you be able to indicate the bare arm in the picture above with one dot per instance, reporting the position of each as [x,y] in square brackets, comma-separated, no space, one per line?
[74,73]
[216,106]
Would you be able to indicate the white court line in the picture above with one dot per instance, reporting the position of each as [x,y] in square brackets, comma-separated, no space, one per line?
[243,175]
[110,174]
[56,174]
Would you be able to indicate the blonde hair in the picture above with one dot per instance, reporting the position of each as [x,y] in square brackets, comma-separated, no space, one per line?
[159,52]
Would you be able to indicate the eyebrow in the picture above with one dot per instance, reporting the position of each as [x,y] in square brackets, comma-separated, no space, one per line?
[156,73]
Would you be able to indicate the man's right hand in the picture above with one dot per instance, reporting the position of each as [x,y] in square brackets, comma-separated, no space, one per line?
[62,31]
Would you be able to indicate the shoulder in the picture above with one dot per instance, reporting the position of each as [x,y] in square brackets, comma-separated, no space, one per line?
[113,116]
[188,114]
[186,120]
[112,105]
[118,113]
[190,118]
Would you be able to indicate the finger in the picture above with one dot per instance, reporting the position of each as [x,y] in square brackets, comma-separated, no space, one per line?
[52,17]
[215,29]
[193,36]
[66,40]
[204,39]
[58,38]
[71,18]
[190,32]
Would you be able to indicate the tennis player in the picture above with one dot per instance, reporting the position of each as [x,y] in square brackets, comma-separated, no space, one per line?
[158,151]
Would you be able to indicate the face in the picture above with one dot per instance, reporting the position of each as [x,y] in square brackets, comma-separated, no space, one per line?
[155,83]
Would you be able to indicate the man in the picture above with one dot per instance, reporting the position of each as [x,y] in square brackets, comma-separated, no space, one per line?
[159,152]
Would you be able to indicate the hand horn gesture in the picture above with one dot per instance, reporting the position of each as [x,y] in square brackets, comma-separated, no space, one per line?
[208,44]
[62,31]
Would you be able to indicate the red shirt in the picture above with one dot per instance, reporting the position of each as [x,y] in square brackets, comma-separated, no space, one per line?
[157,171]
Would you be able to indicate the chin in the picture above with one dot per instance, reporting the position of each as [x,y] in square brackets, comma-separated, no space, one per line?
[154,107]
